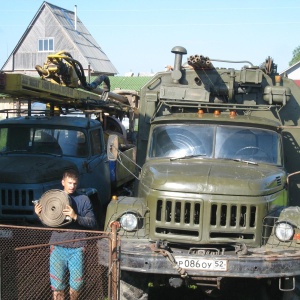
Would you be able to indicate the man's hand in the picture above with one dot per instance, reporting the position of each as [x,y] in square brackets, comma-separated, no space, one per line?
[69,211]
[38,209]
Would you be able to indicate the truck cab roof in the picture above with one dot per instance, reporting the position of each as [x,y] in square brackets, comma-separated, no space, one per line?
[64,121]
[224,118]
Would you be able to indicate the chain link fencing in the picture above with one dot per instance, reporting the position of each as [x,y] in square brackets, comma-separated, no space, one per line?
[25,263]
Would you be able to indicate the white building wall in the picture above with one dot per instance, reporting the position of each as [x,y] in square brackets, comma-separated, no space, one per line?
[295,74]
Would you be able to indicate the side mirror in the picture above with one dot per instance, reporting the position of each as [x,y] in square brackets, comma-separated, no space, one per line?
[112,147]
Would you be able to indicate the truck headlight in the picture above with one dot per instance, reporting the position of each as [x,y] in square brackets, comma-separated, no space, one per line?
[129,222]
[284,231]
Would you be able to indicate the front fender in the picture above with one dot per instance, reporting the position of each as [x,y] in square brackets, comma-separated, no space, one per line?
[123,205]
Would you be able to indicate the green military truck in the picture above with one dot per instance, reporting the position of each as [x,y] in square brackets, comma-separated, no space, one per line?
[216,203]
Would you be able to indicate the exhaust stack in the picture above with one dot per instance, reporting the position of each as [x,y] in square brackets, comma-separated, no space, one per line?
[179,52]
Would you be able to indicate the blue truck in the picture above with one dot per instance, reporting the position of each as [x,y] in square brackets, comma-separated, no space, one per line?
[37,146]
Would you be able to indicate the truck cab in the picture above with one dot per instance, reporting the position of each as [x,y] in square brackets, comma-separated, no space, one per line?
[212,179]
[52,128]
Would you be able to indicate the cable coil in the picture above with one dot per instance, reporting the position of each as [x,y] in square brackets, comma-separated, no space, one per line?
[53,203]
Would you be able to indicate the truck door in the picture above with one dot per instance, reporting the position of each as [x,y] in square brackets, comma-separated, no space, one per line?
[98,174]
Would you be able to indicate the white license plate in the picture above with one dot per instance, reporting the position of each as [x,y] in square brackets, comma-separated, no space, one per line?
[201,264]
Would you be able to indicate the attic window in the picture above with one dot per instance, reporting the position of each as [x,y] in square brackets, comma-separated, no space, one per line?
[46,44]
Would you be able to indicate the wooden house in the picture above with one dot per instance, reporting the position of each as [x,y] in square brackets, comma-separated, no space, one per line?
[54,29]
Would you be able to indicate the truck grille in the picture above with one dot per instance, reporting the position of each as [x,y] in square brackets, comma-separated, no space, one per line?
[232,221]
[16,202]
[171,214]
[186,218]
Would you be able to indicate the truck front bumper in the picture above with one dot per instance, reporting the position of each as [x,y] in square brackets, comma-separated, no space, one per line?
[138,256]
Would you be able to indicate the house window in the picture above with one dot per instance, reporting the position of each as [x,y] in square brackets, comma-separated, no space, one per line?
[46,44]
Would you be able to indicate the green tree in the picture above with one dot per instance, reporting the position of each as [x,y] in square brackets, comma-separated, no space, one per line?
[296,56]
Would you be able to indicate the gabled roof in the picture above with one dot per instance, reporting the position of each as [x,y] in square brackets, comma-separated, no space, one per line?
[291,68]
[293,72]
[64,21]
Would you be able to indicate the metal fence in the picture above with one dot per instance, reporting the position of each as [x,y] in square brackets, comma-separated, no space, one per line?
[25,263]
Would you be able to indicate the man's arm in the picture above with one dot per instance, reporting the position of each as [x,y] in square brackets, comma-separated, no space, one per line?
[85,216]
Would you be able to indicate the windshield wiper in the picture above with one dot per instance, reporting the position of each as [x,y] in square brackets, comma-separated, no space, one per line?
[29,152]
[13,151]
[187,156]
[47,153]
[246,161]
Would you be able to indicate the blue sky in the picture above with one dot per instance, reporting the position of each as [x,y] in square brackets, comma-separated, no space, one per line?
[138,35]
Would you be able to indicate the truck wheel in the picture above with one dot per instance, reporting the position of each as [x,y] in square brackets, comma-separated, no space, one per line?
[291,296]
[133,286]
[249,289]
[264,291]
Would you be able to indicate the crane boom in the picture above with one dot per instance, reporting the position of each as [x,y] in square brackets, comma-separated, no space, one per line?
[37,89]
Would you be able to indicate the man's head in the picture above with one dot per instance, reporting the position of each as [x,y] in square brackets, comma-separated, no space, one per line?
[70,181]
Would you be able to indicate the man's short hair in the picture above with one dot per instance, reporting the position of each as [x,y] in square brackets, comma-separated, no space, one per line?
[71,173]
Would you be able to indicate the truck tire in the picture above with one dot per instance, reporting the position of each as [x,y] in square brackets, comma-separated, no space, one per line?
[291,296]
[133,286]
[248,289]
[260,291]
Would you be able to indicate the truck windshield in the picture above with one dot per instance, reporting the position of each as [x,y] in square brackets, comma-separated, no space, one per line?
[212,141]
[43,140]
